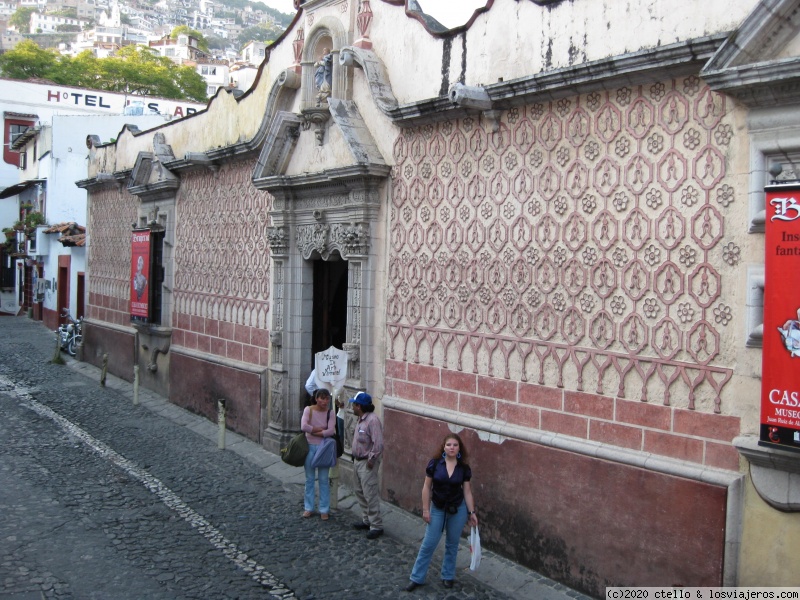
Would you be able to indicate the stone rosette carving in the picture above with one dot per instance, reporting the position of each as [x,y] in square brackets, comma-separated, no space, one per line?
[353,238]
[278,238]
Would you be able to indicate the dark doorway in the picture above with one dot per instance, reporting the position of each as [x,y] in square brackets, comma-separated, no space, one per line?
[63,292]
[330,305]
[80,306]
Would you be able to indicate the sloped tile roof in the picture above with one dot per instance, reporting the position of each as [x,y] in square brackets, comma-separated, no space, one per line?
[78,240]
[72,234]
[71,226]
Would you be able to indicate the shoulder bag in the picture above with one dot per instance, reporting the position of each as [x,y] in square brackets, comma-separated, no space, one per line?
[296,451]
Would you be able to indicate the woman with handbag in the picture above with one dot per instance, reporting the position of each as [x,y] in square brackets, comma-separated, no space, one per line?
[318,424]
[447,505]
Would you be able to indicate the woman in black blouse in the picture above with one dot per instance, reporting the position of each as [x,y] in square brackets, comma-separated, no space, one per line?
[447,504]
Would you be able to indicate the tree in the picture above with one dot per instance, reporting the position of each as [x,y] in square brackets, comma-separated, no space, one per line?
[28,60]
[259,33]
[202,44]
[81,71]
[134,70]
[216,42]
[142,71]
[283,19]
[69,11]
[21,19]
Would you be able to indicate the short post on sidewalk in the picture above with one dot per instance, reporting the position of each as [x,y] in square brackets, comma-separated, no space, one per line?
[136,385]
[57,359]
[221,422]
[104,371]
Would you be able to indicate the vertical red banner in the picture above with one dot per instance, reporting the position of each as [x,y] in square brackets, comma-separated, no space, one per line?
[780,385]
[140,274]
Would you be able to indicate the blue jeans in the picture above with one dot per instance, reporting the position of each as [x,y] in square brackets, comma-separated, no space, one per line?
[451,525]
[324,484]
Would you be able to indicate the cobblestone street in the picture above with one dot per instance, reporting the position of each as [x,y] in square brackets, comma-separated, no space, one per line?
[101,498]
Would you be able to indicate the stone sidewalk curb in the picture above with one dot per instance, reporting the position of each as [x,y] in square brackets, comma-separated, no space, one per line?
[495,571]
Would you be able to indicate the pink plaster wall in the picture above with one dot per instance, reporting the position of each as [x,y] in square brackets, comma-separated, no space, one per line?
[585,522]
[119,347]
[668,431]
[197,384]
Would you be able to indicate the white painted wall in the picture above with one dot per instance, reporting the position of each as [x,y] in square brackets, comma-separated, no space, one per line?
[67,163]
[46,100]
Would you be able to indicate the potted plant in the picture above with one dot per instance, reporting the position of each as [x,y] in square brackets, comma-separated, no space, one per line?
[33,219]
[19,226]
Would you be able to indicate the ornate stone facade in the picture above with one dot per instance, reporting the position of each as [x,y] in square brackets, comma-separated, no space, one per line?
[222,264]
[110,217]
[548,232]
[578,246]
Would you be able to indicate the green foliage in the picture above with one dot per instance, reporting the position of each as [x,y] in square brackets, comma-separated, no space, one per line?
[202,44]
[142,71]
[70,12]
[21,19]
[259,33]
[133,70]
[282,19]
[27,60]
[33,219]
[217,42]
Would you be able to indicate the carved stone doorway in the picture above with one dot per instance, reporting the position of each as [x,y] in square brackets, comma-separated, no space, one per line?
[329,320]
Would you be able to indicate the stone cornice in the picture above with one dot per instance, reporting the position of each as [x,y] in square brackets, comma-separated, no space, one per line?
[746,67]
[767,29]
[153,192]
[759,85]
[775,473]
[344,178]
[117,179]
[636,68]
[375,72]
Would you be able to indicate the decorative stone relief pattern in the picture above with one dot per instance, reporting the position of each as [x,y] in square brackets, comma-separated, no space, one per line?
[278,385]
[578,245]
[348,239]
[110,219]
[222,259]
[278,391]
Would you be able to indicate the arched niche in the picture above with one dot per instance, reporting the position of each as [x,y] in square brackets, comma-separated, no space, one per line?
[327,33]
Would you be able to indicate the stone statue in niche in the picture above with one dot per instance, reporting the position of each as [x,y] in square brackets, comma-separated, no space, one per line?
[323,76]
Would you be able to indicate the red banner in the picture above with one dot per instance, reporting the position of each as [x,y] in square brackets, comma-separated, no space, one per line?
[140,274]
[780,385]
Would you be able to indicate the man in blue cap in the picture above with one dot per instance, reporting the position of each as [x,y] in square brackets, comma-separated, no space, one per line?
[367,449]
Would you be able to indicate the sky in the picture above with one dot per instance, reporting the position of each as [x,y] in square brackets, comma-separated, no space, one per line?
[450,13]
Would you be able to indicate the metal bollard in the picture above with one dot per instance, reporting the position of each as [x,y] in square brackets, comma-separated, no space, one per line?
[104,371]
[136,385]
[221,422]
